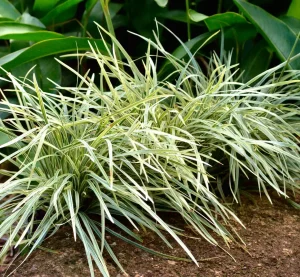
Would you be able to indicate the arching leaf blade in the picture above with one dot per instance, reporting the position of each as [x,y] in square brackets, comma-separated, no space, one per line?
[48,48]
[8,10]
[20,31]
[43,6]
[61,12]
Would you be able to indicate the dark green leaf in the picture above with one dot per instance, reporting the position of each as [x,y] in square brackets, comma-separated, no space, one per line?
[255,61]
[16,45]
[33,36]
[143,22]
[21,70]
[90,4]
[5,19]
[61,13]
[292,22]
[44,68]
[3,137]
[41,7]
[48,68]
[240,33]
[279,36]
[48,48]
[19,31]
[235,37]
[218,21]
[8,10]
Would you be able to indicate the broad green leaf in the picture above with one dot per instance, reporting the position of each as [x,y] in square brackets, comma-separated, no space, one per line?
[26,18]
[62,12]
[90,4]
[197,17]
[235,37]
[48,68]
[294,9]
[161,3]
[222,20]
[292,22]
[176,15]
[4,138]
[48,48]
[33,36]
[44,68]
[41,7]
[16,45]
[8,10]
[239,33]
[142,22]
[19,31]
[255,61]
[279,36]
[21,70]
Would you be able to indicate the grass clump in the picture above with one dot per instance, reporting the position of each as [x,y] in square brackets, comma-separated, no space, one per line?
[132,146]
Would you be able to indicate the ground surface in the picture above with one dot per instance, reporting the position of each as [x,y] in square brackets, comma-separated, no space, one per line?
[272,241]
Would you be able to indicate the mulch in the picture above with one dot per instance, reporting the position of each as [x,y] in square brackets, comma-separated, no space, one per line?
[272,249]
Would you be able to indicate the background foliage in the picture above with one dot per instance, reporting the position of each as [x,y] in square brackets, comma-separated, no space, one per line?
[258,32]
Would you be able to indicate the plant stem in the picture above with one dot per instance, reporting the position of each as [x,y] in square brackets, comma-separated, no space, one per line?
[219,6]
[187,7]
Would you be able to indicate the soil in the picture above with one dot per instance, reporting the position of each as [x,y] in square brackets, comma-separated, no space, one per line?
[272,248]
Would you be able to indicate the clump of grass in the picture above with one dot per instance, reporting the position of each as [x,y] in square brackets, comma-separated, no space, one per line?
[132,146]
[94,154]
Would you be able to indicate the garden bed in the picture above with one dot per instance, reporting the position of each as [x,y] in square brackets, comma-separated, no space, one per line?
[272,249]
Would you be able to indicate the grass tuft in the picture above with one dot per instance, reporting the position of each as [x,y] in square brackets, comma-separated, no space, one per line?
[130,145]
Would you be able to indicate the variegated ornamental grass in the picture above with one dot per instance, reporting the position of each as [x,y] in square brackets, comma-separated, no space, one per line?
[133,145]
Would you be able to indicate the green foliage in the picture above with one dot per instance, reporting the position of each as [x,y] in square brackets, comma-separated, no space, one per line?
[279,36]
[47,48]
[272,33]
[8,10]
[131,145]
[38,31]
[20,31]
[294,9]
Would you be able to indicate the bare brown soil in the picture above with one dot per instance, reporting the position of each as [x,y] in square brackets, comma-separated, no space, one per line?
[272,239]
